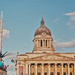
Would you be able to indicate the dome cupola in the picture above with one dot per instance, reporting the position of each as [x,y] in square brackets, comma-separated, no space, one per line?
[42,29]
[43,42]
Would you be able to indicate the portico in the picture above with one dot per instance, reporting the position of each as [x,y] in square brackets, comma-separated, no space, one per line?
[50,69]
[43,60]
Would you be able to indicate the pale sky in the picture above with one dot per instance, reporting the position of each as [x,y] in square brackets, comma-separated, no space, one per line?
[22,17]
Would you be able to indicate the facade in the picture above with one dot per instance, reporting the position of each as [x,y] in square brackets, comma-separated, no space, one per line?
[43,60]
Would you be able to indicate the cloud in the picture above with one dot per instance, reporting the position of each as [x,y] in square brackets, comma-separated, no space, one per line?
[70,14]
[62,45]
[71,21]
[6,33]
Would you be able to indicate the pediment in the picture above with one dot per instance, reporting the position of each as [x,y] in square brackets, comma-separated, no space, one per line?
[52,57]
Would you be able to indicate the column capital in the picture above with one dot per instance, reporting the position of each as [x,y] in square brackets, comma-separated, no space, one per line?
[55,63]
[29,64]
[42,63]
[68,63]
[62,63]
[35,63]
[49,63]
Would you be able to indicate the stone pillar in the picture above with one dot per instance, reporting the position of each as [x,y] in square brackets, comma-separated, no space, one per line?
[61,68]
[48,69]
[26,69]
[37,43]
[42,69]
[74,68]
[47,42]
[55,68]
[68,69]
[36,69]
[29,69]
[17,70]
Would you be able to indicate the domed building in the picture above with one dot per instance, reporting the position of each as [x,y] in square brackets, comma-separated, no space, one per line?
[43,42]
[43,60]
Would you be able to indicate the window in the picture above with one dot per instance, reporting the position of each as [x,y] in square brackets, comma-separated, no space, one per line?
[58,73]
[32,73]
[58,66]
[20,70]
[52,65]
[70,73]
[45,73]
[46,43]
[41,43]
[51,73]
[64,73]
[39,73]
[65,65]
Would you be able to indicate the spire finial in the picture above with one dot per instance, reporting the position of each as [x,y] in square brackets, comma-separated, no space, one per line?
[2,15]
[42,22]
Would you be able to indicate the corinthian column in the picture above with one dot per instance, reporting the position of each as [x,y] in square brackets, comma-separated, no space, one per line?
[61,68]
[68,69]
[42,69]
[26,69]
[55,68]
[74,68]
[48,69]
[36,69]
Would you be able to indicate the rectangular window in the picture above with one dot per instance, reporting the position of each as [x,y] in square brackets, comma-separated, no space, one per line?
[64,73]
[20,70]
[45,73]
[58,73]
[51,73]
[39,73]
[70,73]
[32,73]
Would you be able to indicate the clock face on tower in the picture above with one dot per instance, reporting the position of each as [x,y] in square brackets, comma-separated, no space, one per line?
[44,34]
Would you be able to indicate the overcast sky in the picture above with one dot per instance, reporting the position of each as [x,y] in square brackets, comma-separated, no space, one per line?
[22,17]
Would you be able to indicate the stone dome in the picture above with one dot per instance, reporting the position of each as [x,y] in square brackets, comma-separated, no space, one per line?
[42,29]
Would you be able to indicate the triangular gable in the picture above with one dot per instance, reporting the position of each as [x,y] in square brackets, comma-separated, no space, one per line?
[51,57]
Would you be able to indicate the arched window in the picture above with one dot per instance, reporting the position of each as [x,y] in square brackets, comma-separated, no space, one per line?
[46,43]
[41,43]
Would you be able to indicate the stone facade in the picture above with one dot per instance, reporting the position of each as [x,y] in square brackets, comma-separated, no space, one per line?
[43,60]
